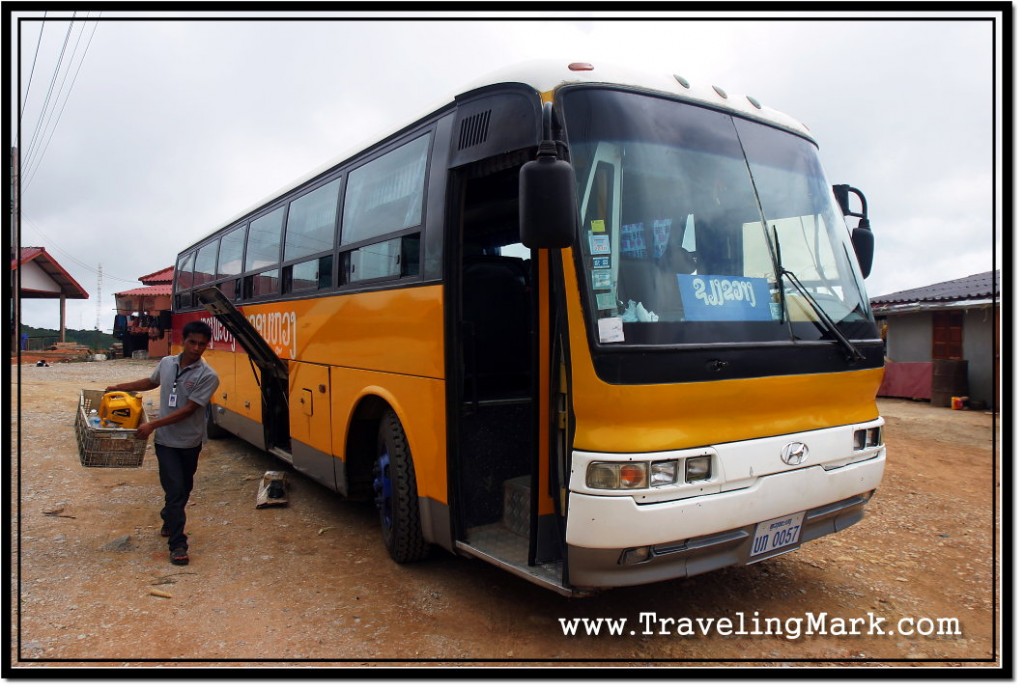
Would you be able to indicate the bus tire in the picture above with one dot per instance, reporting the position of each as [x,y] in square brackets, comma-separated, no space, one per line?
[394,493]
[213,430]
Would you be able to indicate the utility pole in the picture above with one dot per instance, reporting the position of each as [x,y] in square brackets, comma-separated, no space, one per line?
[99,295]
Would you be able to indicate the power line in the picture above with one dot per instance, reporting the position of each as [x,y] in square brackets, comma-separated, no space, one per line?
[56,100]
[46,102]
[99,294]
[74,80]
[68,256]
[28,87]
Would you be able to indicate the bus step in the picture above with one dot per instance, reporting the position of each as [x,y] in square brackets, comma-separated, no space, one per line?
[498,545]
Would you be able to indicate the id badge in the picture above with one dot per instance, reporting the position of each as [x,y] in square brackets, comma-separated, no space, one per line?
[172,400]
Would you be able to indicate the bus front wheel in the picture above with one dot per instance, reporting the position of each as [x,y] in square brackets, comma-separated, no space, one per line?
[394,493]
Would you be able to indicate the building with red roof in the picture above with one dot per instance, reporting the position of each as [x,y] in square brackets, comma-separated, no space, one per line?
[144,315]
[39,276]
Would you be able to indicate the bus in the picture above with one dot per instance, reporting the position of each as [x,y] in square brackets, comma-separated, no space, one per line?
[596,328]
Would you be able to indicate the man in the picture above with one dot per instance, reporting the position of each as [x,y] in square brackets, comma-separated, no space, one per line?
[186,385]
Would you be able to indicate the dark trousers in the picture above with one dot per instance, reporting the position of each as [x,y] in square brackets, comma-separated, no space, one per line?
[177,471]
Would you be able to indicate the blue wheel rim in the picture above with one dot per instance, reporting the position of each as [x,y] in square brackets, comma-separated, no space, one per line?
[382,489]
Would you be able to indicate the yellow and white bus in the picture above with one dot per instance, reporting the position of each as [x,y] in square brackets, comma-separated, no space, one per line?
[598,329]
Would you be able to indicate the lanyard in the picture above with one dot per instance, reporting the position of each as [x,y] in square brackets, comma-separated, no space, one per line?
[172,399]
[177,375]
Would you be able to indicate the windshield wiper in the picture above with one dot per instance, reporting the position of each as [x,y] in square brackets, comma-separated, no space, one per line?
[826,325]
[830,327]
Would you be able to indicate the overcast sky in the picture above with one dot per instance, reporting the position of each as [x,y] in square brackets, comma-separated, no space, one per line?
[163,129]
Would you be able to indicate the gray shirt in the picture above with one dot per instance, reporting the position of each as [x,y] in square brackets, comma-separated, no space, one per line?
[197,382]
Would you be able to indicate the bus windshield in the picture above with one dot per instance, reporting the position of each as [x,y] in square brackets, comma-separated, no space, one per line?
[693,221]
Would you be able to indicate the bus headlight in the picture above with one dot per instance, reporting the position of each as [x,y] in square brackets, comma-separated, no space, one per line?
[868,438]
[664,473]
[601,475]
[698,469]
[648,474]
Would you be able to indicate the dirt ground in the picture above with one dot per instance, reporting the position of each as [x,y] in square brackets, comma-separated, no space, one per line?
[310,584]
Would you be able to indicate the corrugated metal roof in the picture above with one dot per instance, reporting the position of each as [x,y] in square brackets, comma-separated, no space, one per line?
[977,287]
[161,276]
[146,291]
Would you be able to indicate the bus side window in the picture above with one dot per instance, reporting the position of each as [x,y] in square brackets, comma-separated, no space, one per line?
[184,281]
[313,274]
[599,204]
[311,221]
[266,283]
[385,195]
[395,258]
[324,277]
[263,246]
[410,257]
[230,261]
[379,260]
[206,263]
[230,288]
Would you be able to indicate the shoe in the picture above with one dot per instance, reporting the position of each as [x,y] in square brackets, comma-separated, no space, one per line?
[179,556]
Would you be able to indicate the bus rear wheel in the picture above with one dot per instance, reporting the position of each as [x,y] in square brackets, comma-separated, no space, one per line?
[394,493]
[213,430]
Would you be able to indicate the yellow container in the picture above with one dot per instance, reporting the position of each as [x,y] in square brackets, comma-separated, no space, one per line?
[120,409]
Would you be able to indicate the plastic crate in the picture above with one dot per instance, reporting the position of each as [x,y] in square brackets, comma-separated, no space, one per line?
[106,447]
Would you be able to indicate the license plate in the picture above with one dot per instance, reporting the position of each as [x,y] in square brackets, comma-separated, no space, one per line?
[777,533]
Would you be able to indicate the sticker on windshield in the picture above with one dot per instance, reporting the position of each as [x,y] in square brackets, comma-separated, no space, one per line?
[605,301]
[601,280]
[597,226]
[599,244]
[602,262]
[609,330]
[725,298]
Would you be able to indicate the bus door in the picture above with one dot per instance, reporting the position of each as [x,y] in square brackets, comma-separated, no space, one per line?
[499,487]
[268,368]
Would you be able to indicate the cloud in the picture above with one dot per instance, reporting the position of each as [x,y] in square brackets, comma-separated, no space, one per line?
[174,127]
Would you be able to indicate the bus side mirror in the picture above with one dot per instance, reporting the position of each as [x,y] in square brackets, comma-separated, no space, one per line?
[863,240]
[547,202]
[863,246]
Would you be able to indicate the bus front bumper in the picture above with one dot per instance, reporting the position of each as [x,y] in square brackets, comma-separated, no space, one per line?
[693,536]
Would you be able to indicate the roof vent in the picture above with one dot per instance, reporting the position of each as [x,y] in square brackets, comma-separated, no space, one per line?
[473,130]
